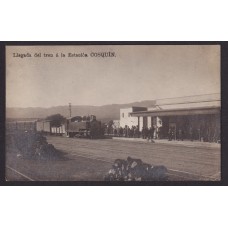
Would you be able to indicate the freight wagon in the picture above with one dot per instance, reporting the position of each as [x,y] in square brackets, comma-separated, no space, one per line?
[43,126]
[21,126]
[46,127]
[58,130]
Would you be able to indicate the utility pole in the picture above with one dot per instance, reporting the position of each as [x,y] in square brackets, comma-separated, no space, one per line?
[70,109]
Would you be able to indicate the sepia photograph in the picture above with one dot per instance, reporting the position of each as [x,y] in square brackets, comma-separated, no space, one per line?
[113,113]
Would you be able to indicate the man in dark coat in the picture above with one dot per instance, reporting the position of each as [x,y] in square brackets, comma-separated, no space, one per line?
[170,134]
[146,132]
[143,132]
[150,134]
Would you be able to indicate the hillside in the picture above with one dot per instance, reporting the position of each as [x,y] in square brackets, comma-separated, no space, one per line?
[104,113]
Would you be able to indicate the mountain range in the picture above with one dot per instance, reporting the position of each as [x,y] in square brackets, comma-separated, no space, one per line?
[103,113]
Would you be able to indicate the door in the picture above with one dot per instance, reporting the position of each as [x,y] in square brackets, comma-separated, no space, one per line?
[173,126]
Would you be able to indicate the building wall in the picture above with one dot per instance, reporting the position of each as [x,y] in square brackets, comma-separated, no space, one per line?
[149,122]
[140,123]
[126,119]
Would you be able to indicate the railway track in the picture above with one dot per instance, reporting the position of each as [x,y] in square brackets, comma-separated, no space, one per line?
[174,174]
[182,175]
[208,158]
[20,176]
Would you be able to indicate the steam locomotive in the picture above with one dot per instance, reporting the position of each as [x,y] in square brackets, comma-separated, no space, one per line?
[83,126]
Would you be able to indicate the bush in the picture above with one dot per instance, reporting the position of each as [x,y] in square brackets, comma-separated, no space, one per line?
[135,170]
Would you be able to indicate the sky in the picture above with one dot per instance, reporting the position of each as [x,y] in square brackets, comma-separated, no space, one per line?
[135,73]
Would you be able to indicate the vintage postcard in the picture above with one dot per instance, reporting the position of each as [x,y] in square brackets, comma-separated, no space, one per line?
[113,113]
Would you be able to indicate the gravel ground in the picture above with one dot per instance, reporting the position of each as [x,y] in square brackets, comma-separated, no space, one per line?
[90,160]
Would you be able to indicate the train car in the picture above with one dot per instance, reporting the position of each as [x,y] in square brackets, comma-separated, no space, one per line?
[58,130]
[21,125]
[44,126]
[78,126]
[83,126]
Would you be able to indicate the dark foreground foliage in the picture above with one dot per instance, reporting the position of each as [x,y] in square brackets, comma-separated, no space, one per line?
[135,170]
[32,145]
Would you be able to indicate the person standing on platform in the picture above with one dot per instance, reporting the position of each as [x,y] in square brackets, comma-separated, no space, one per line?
[146,132]
[137,132]
[134,132]
[149,134]
[121,132]
[128,131]
[170,134]
[159,134]
[125,132]
[143,132]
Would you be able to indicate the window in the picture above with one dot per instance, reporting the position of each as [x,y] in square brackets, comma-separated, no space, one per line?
[123,115]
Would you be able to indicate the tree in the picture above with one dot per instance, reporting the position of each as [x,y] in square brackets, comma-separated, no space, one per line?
[110,127]
[56,120]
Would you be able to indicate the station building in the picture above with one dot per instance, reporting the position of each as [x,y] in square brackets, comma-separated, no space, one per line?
[200,113]
[126,117]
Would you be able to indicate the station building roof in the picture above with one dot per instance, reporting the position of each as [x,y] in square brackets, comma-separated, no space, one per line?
[191,105]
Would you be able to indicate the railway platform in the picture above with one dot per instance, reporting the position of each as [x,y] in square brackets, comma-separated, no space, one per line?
[186,143]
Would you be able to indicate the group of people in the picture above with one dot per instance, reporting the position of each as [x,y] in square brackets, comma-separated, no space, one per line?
[148,133]
[133,132]
[206,134]
[179,134]
[127,132]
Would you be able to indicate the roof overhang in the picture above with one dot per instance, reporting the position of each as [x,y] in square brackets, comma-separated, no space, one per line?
[178,112]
